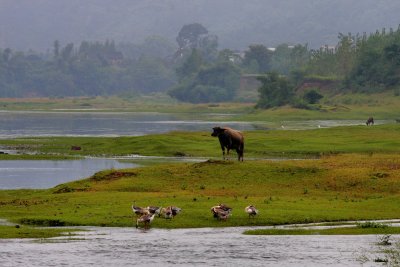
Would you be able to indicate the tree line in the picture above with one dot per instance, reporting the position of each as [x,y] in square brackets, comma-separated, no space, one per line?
[195,70]
[91,69]
[357,63]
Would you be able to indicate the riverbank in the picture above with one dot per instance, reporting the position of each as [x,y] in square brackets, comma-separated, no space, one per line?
[338,174]
[259,144]
[382,106]
[333,188]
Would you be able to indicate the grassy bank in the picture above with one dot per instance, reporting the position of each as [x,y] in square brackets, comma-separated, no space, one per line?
[33,232]
[153,103]
[332,188]
[352,173]
[382,106]
[258,144]
[333,231]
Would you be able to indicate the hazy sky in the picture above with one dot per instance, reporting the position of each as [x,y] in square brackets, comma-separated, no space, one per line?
[37,24]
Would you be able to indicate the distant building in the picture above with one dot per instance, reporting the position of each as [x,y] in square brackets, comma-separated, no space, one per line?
[328,48]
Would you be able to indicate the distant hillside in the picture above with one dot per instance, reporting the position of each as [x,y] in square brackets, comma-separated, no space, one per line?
[35,24]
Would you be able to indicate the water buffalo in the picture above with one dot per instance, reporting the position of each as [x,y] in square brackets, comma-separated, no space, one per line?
[370,121]
[229,139]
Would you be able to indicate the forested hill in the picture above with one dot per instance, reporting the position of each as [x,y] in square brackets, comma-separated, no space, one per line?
[27,24]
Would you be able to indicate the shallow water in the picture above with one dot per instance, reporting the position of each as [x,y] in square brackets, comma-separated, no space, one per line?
[186,247]
[37,174]
[20,124]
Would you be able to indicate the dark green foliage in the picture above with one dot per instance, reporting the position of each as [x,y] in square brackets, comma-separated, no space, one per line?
[190,66]
[216,83]
[195,36]
[275,91]
[92,69]
[197,72]
[369,224]
[286,59]
[189,36]
[359,63]
[257,59]
[312,96]
[364,63]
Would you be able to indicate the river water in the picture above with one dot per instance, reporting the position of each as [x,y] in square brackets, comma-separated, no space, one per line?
[188,247]
[22,123]
[40,174]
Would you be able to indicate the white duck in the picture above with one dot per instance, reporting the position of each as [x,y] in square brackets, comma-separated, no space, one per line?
[251,210]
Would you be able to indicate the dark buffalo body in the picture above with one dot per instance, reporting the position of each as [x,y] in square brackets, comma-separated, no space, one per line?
[370,121]
[229,139]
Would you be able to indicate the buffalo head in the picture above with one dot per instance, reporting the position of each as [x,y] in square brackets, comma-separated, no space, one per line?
[217,131]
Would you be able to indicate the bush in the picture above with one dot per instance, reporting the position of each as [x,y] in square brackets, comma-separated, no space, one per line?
[371,225]
[275,91]
[312,96]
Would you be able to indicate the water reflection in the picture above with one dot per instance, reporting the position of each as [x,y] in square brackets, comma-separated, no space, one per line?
[15,174]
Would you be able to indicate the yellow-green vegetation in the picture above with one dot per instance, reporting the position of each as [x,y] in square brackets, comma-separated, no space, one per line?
[347,173]
[258,144]
[33,232]
[332,188]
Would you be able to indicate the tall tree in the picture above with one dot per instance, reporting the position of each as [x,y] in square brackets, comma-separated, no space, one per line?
[189,36]
[190,66]
[260,55]
[275,91]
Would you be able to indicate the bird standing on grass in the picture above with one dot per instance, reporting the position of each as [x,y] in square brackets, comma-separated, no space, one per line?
[170,212]
[221,211]
[251,210]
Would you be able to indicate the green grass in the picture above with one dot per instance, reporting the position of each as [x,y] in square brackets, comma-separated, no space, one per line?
[381,106]
[258,144]
[333,188]
[331,231]
[352,174]
[34,232]
[150,103]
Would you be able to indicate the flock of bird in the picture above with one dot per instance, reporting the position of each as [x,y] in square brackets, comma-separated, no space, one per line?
[146,215]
